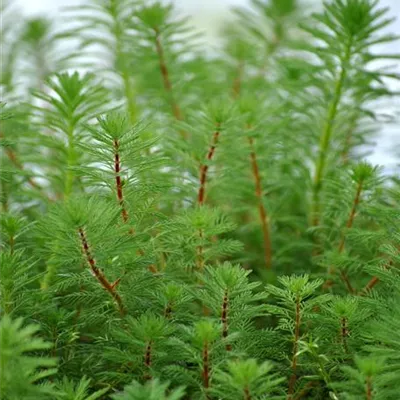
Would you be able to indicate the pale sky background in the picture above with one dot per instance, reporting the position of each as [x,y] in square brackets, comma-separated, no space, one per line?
[210,15]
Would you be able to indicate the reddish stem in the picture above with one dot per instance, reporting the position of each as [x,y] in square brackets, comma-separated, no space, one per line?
[109,287]
[305,390]
[261,209]
[293,377]
[206,311]
[349,224]
[201,193]
[168,311]
[148,358]
[344,333]
[120,197]
[224,319]
[14,159]
[12,244]
[246,393]
[347,282]
[118,181]
[370,285]
[350,220]
[368,388]
[237,83]
[374,280]
[204,168]
[206,366]
[176,111]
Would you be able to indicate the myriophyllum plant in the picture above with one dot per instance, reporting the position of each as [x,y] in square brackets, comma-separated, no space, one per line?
[185,222]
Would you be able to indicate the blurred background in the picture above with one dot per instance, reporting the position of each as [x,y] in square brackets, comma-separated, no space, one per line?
[210,16]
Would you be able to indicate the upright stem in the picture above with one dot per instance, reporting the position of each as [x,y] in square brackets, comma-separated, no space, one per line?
[109,287]
[246,394]
[325,138]
[293,377]
[118,181]
[256,173]
[120,195]
[261,208]
[224,319]
[202,190]
[168,311]
[204,167]
[344,333]
[119,30]
[347,282]
[206,366]
[352,215]
[148,359]
[349,224]
[4,196]
[237,83]
[368,388]
[176,111]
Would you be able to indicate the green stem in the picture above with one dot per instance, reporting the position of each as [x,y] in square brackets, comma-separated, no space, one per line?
[324,374]
[326,137]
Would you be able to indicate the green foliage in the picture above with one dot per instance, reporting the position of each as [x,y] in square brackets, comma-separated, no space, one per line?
[180,222]
[69,390]
[367,379]
[247,378]
[153,390]
[20,367]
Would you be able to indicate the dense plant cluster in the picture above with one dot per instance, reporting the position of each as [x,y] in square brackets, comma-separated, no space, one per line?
[180,222]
